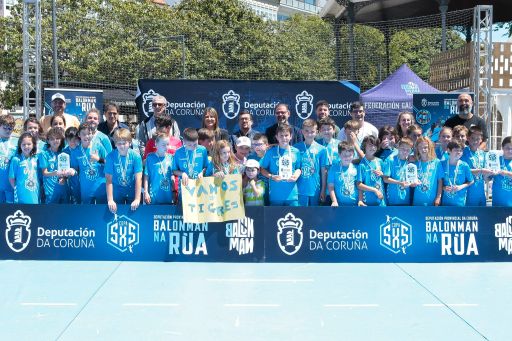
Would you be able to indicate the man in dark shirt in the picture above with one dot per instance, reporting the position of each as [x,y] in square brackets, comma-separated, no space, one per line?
[282,115]
[111,124]
[245,123]
[466,118]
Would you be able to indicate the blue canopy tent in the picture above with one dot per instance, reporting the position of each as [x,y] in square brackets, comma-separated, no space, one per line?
[393,95]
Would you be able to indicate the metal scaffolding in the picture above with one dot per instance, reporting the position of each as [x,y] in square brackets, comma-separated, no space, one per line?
[482,54]
[32,95]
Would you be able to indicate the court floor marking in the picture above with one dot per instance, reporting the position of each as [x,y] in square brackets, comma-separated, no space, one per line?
[48,304]
[88,300]
[151,305]
[363,305]
[251,305]
[440,300]
[270,280]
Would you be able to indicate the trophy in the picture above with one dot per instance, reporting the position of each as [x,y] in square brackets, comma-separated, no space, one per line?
[411,173]
[492,161]
[63,162]
[285,167]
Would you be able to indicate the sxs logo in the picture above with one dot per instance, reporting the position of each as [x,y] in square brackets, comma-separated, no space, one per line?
[147,99]
[231,104]
[289,234]
[304,104]
[395,235]
[17,234]
[123,233]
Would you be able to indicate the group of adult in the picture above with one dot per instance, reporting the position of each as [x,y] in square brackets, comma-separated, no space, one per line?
[210,120]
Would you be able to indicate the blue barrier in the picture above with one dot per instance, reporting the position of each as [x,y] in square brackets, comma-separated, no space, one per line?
[267,234]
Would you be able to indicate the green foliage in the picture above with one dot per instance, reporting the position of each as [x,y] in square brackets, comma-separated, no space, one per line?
[117,42]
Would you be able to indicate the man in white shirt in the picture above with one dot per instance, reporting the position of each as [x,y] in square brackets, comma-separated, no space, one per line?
[365,129]
[58,106]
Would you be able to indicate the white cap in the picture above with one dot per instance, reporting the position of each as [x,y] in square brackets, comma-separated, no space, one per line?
[58,95]
[251,163]
[243,141]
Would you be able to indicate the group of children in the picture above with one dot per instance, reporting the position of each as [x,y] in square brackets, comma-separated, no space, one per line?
[79,166]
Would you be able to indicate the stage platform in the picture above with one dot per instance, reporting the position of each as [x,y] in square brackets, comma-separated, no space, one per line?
[68,300]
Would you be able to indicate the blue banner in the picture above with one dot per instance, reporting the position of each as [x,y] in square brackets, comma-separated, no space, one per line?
[432,110]
[188,98]
[266,234]
[78,102]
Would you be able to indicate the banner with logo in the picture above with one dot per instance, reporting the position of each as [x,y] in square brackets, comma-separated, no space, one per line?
[432,110]
[78,101]
[391,234]
[188,98]
[266,234]
[151,233]
[211,199]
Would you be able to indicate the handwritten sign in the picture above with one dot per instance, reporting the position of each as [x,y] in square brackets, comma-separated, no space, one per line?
[213,199]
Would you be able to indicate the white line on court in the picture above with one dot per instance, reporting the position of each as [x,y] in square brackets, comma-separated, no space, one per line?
[271,280]
[150,305]
[47,304]
[369,305]
[437,305]
[251,305]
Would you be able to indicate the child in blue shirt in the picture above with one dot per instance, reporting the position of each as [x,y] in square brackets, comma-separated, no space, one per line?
[23,171]
[158,177]
[457,176]
[73,182]
[89,163]
[8,146]
[191,160]
[54,180]
[502,183]
[281,164]
[123,172]
[387,138]
[311,184]
[398,191]
[223,160]
[445,136]
[475,158]
[369,177]
[342,177]
[428,190]
[32,126]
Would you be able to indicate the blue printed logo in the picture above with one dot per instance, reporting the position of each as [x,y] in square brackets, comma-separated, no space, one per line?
[395,235]
[231,104]
[304,104]
[123,233]
[17,234]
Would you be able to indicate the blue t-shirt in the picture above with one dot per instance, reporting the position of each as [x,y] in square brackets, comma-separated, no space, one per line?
[344,181]
[313,159]
[191,162]
[102,139]
[24,171]
[211,169]
[455,175]
[502,186]
[396,195]
[8,149]
[332,150]
[159,173]
[476,192]
[123,170]
[73,183]
[367,177]
[429,173]
[442,155]
[91,174]
[384,154]
[281,190]
[55,192]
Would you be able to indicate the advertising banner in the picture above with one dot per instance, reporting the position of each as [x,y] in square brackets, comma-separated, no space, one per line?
[151,233]
[188,98]
[265,234]
[432,110]
[213,199]
[78,101]
[390,234]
